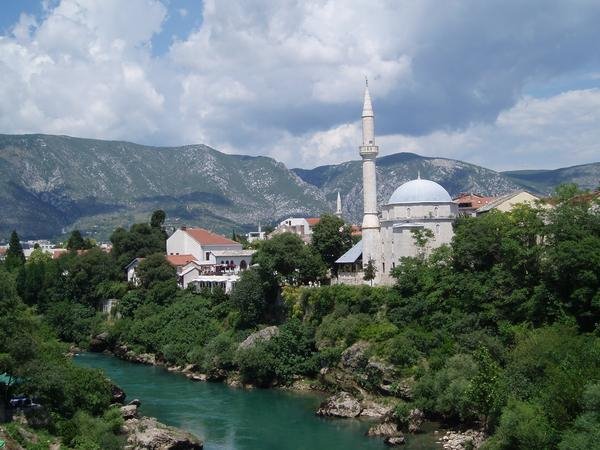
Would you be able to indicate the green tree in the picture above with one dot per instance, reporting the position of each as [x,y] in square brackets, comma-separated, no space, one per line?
[249,298]
[85,273]
[369,272]
[286,258]
[486,389]
[14,257]
[157,220]
[422,237]
[140,241]
[76,242]
[154,269]
[522,426]
[331,238]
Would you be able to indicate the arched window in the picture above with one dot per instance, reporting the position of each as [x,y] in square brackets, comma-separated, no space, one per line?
[243,264]
[437,228]
[436,212]
[407,212]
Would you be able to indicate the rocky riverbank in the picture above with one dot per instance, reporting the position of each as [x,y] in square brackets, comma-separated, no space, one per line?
[147,433]
[347,382]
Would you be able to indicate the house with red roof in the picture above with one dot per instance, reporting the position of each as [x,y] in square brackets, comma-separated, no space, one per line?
[206,259]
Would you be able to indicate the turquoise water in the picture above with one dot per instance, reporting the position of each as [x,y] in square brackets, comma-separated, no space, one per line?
[236,419]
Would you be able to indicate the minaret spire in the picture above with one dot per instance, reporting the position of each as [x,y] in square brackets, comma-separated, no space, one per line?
[338,209]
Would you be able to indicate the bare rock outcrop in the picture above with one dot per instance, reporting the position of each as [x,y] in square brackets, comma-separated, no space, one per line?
[262,335]
[340,405]
[455,440]
[354,357]
[149,434]
[415,420]
[385,429]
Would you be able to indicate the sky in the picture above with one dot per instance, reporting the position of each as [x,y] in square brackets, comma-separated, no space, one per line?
[507,84]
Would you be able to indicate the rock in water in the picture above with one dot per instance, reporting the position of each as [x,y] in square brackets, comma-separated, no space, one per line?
[99,343]
[262,335]
[393,441]
[149,434]
[129,412]
[415,420]
[387,429]
[340,405]
[118,394]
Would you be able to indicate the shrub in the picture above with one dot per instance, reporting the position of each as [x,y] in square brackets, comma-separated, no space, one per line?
[522,425]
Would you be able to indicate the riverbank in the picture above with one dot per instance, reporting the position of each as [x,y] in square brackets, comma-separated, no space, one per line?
[242,419]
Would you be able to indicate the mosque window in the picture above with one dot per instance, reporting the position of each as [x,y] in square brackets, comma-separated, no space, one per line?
[436,211]
[437,229]
[407,212]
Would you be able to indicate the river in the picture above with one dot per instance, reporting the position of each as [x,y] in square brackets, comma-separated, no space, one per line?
[226,418]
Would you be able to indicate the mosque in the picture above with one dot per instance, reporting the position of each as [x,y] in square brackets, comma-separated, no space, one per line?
[389,235]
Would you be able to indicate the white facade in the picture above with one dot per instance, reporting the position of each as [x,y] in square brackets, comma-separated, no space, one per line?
[131,270]
[199,243]
[218,260]
[298,225]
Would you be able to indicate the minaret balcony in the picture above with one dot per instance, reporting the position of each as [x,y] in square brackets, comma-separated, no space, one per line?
[369,150]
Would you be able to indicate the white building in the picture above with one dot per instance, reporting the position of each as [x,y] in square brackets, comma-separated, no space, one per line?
[206,259]
[387,237]
[302,226]
[253,236]
[131,270]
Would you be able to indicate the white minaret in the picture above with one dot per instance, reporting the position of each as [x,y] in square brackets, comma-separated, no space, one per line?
[371,240]
[338,209]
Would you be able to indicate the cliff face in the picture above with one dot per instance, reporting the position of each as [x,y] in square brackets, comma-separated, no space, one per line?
[50,184]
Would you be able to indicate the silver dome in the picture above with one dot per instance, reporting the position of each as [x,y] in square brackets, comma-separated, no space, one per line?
[420,191]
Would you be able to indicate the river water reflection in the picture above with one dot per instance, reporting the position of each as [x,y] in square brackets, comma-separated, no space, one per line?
[235,419]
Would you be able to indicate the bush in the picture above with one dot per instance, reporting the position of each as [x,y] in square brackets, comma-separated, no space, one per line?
[522,425]
[257,365]
[219,355]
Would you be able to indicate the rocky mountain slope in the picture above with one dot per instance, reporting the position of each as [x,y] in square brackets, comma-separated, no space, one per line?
[51,184]
[586,176]
[393,170]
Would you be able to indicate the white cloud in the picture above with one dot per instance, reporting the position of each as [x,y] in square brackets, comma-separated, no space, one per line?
[285,78]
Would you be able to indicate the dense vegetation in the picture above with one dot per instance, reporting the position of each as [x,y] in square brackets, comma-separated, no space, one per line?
[499,329]
[75,400]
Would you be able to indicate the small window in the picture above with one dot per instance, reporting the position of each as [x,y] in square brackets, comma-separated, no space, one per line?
[393,265]
[437,229]
[207,256]
[383,266]
[436,212]
[407,212]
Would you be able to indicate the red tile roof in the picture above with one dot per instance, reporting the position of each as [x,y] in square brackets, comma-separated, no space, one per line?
[472,200]
[205,237]
[180,260]
[312,221]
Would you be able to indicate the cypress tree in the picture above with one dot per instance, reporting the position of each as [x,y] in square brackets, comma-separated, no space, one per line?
[14,255]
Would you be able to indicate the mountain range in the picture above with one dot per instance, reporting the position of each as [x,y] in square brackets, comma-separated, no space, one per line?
[52,184]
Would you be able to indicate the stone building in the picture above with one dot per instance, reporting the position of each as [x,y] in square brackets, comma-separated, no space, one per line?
[390,235]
